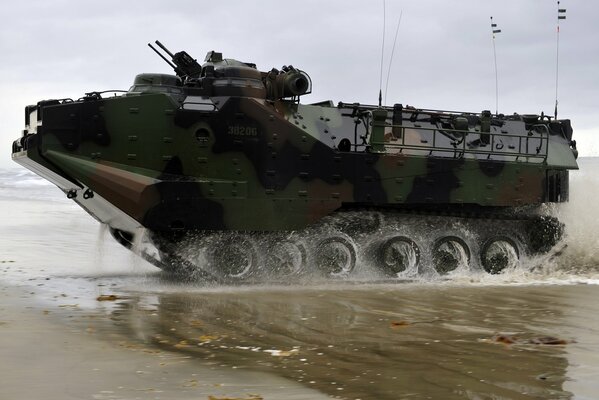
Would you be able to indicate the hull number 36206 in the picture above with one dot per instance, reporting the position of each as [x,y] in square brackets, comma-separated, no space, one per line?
[240,130]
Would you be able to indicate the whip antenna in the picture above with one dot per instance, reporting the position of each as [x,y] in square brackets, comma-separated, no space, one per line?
[392,52]
[495,31]
[382,55]
[561,14]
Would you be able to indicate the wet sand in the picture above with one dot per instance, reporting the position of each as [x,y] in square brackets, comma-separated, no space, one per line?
[387,342]
[64,352]
[373,341]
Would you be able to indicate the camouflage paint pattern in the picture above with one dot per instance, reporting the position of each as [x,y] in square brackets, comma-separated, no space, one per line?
[228,149]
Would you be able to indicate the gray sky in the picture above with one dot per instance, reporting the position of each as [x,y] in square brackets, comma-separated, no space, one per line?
[443,58]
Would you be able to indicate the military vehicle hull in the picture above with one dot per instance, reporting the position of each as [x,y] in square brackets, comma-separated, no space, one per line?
[225,157]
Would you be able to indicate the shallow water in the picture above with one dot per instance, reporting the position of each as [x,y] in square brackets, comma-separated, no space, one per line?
[441,338]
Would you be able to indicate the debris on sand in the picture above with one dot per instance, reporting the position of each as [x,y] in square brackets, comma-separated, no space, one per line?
[108,297]
[549,340]
[505,339]
[250,397]
[400,324]
[509,339]
[282,353]
[208,338]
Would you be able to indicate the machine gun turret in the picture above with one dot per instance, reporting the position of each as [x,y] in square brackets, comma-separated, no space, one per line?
[185,66]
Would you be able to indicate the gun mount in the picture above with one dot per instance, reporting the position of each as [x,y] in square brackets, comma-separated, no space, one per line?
[184,65]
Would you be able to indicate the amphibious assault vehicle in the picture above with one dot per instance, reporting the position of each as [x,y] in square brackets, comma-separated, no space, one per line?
[225,173]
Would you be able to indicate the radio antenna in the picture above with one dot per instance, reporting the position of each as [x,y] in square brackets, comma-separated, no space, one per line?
[392,52]
[495,31]
[561,14]
[382,56]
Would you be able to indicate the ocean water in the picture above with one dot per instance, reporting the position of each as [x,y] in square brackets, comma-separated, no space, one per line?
[531,332]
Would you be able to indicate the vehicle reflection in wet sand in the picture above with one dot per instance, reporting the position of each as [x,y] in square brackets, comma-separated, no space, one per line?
[371,342]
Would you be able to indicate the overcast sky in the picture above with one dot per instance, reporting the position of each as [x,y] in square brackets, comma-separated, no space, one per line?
[443,57]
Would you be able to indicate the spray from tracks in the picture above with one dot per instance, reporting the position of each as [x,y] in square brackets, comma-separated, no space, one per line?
[580,257]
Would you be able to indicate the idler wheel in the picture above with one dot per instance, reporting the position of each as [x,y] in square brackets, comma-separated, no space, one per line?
[544,232]
[397,254]
[335,256]
[499,254]
[287,256]
[234,257]
[450,253]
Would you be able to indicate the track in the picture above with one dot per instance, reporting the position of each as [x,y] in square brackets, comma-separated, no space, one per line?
[351,244]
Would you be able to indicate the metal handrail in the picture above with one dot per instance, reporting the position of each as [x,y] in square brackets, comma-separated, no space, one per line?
[407,109]
[540,152]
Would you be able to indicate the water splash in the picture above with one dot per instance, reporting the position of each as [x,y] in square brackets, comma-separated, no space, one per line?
[580,215]
[100,246]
